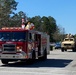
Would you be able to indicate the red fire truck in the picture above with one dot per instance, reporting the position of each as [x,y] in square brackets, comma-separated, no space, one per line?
[21,44]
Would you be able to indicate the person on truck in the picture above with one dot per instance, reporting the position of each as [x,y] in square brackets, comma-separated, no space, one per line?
[23,26]
[29,26]
[24,23]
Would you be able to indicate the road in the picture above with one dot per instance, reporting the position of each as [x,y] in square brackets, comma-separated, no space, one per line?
[58,63]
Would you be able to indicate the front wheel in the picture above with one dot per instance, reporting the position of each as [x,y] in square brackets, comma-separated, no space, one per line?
[4,61]
[73,49]
[62,49]
[44,57]
[33,55]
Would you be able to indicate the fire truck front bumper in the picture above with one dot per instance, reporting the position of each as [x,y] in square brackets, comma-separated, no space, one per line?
[13,56]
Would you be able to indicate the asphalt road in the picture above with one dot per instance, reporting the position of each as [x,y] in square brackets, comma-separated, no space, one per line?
[58,63]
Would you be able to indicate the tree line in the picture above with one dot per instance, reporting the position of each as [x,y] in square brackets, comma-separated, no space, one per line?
[44,24]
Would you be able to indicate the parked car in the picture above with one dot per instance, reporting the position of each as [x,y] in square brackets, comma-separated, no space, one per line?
[57,45]
[52,45]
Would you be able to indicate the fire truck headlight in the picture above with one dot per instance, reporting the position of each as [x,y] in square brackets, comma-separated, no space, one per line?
[19,48]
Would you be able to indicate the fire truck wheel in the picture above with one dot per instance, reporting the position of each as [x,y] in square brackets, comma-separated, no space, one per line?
[31,61]
[33,55]
[4,61]
[45,55]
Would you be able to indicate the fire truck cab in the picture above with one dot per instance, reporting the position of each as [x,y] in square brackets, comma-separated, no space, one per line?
[21,44]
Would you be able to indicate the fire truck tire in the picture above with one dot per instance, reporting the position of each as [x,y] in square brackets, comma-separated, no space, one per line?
[33,55]
[4,61]
[45,55]
[30,61]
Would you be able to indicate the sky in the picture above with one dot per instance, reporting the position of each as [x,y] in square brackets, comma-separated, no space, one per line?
[63,11]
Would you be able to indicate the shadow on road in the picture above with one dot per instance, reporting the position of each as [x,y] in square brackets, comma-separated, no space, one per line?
[59,63]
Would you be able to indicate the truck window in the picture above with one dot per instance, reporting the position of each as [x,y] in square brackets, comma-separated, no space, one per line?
[66,39]
[20,36]
[71,39]
[12,36]
[31,36]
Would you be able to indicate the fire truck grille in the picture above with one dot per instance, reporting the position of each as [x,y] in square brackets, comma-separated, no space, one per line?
[9,47]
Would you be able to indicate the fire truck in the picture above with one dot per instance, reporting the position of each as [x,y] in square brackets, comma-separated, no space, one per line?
[17,44]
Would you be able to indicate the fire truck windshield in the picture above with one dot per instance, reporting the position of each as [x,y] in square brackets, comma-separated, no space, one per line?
[12,36]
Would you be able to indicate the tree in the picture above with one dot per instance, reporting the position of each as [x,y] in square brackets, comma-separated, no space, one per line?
[53,25]
[45,24]
[37,22]
[6,9]
[17,18]
[59,34]
[49,26]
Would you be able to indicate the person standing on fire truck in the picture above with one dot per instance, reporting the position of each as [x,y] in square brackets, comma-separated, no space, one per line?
[24,23]
[29,26]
